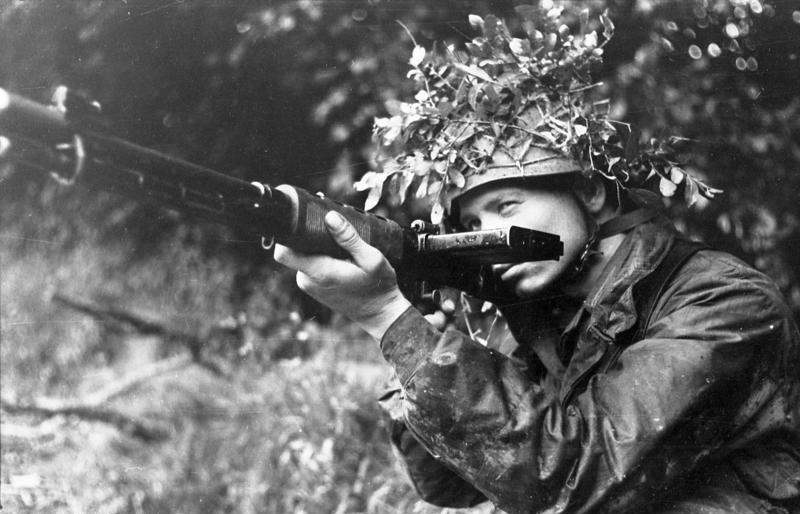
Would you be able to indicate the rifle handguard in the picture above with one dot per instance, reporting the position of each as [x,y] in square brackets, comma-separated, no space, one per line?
[306,230]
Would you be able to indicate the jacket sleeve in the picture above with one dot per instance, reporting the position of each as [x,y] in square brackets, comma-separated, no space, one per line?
[667,402]
[434,482]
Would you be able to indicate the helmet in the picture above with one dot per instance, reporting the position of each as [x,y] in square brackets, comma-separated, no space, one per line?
[511,107]
[537,162]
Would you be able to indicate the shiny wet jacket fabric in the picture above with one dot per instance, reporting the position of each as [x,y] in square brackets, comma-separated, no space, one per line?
[701,415]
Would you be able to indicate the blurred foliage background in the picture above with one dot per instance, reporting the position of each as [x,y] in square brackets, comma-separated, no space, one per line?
[276,411]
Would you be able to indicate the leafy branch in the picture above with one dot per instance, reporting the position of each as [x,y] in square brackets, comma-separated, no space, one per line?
[505,94]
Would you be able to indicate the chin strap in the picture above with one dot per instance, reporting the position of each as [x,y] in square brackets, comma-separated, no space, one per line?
[612,227]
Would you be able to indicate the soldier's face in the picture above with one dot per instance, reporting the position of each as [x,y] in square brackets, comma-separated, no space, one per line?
[554,211]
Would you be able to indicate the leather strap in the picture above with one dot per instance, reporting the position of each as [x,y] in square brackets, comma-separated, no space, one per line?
[646,295]
[650,289]
[625,222]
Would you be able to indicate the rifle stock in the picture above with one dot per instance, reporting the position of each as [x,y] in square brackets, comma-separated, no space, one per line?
[71,142]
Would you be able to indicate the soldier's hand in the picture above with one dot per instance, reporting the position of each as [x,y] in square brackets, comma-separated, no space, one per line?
[443,318]
[363,288]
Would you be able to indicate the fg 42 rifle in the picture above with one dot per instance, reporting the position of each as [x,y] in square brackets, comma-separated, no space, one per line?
[71,140]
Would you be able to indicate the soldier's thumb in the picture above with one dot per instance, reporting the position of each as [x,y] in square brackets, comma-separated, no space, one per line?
[345,235]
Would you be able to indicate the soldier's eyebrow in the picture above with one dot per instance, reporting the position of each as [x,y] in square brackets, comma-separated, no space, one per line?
[489,202]
[498,197]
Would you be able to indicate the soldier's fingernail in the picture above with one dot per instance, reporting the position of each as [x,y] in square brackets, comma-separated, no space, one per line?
[335,220]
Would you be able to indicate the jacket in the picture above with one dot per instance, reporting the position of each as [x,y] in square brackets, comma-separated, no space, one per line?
[700,415]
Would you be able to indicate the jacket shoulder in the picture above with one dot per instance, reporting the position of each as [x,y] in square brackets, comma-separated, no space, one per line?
[716,295]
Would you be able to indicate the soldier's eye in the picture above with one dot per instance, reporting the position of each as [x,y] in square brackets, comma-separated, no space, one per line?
[507,207]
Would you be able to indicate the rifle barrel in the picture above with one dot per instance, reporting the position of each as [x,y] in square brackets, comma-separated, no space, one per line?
[72,147]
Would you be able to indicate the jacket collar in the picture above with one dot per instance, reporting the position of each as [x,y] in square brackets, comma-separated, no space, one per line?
[610,303]
[609,308]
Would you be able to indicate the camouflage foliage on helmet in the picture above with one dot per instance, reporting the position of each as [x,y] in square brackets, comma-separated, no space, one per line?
[507,94]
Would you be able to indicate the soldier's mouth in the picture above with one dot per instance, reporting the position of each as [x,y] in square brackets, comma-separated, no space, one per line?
[509,272]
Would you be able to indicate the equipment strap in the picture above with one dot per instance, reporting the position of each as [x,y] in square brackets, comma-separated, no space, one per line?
[646,295]
[650,289]
[625,222]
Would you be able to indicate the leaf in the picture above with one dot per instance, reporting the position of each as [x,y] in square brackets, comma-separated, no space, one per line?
[709,192]
[422,189]
[444,108]
[476,21]
[435,186]
[373,197]
[666,187]
[474,71]
[608,25]
[584,19]
[590,40]
[404,180]
[555,12]
[490,26]
[632,144]
[417,55]
[690,192]
[520,47]
[467,132]
[369,180]
[421,165]
[437,213]
[724,223]
[484,145]
[461,92]
[456,178]
[676,175]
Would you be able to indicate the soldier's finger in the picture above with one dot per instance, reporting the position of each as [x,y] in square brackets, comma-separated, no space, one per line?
[310,264]
[346,236]
[448,306]
[283,255]
[438,319]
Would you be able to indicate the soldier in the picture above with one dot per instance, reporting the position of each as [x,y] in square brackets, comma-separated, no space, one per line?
[652,374]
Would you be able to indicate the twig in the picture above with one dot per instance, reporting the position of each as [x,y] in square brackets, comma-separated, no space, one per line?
[143,326]
[149,432]
[131,380]
[26,433]
[133,321]
[90,407]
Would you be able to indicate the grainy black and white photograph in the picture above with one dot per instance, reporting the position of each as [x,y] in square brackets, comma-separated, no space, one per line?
[400,256]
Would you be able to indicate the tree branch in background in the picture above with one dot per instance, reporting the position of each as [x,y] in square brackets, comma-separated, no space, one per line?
[142,326]
[131,380]
[90,407]
[47,407]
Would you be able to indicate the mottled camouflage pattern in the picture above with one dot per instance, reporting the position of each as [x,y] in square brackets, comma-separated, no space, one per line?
[700,416]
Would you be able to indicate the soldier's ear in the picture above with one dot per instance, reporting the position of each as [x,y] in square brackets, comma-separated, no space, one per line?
[592,192]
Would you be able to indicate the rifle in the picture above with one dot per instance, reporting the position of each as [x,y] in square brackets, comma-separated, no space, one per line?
[72,141]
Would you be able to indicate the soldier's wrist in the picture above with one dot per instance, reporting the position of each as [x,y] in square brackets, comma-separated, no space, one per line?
[377,324]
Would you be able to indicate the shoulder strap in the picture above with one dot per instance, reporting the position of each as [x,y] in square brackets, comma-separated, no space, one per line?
[650,289]
[646,295]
